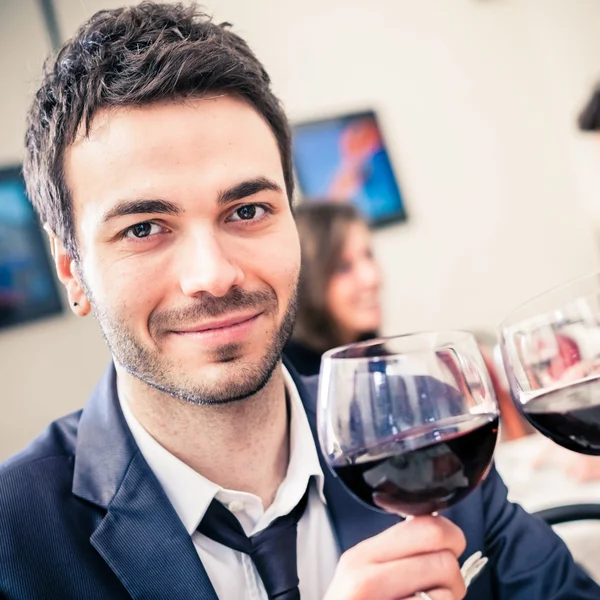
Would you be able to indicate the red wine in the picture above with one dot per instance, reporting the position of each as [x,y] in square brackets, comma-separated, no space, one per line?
[569,416]
[417,476]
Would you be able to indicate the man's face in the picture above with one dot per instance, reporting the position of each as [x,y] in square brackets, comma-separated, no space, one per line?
[189,251]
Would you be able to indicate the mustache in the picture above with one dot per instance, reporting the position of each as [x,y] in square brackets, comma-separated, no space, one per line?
[210,307]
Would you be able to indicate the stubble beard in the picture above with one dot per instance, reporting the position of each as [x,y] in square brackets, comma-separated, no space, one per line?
[239,380]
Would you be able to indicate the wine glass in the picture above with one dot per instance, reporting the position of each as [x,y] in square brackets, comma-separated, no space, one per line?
[409,424]
[551,354]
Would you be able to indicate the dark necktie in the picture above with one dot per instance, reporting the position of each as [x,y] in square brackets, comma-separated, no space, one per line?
[273,550]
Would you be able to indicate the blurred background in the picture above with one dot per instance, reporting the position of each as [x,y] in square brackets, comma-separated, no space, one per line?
[477,101]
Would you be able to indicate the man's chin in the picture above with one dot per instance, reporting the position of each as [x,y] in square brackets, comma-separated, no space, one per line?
[215,365]
[229,353]
[233,379]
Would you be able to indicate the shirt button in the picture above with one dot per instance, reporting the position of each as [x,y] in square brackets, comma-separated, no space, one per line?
[236,506]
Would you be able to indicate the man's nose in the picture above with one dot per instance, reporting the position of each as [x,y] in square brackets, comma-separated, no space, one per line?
[207,267]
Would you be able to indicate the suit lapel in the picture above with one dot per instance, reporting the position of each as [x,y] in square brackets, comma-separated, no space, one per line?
[141,538]
[352,520]
[146,545]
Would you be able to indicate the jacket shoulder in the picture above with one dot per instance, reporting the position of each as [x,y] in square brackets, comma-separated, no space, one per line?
[58,440]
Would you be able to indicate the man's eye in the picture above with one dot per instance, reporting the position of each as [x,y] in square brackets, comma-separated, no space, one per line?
[248,212]
[142,230]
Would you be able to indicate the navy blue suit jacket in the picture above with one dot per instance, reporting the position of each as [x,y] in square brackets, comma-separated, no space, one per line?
[82,516]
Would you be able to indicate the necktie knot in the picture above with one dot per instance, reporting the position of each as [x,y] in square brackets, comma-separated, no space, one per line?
[272,550]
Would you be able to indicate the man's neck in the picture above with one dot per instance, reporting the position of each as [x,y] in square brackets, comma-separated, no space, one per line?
[241,446]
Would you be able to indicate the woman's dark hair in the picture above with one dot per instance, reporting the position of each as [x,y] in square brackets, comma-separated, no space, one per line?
[323,229]
[135,56]
[589,119]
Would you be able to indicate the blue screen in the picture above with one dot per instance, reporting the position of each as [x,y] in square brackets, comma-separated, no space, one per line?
[27,286]
[345,159]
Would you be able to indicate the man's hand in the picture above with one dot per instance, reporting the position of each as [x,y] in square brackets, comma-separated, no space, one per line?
[417,555]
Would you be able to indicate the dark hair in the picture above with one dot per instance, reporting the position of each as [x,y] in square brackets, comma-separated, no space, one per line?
[129,57]
[589,119]
[323,228]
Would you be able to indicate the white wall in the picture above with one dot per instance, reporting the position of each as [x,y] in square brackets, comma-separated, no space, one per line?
[565,42]
[22,49]
[477,100]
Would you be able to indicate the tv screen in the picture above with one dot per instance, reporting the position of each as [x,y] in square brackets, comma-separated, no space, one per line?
[345,159]
[27,287]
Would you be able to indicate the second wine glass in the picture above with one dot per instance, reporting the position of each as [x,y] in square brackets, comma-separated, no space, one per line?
[551,354]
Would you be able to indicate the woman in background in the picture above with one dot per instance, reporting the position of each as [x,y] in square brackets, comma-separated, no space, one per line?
[340,281]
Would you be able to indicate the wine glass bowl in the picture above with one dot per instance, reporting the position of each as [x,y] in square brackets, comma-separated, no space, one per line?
[409,423]
[551,354]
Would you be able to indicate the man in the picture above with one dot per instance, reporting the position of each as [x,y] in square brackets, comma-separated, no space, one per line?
[159,161]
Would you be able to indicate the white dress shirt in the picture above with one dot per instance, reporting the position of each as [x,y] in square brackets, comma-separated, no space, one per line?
[233,573]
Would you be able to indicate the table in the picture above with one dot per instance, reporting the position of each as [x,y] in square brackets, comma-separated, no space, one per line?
[536,489]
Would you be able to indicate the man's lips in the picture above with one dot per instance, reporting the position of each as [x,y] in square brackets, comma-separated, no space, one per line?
[220,325]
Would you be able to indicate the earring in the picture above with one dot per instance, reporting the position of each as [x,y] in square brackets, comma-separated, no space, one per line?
[75,304]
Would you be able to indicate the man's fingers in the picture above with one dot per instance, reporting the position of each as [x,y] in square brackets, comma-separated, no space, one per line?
[421,535]
[438,571]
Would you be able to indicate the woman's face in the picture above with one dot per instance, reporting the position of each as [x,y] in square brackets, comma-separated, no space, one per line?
[353,293]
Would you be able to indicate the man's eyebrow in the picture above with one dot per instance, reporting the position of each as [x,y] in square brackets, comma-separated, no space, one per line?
[239,191]
[246,189]
[141,207]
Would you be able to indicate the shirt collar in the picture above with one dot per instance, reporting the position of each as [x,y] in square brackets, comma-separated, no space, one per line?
[191,493]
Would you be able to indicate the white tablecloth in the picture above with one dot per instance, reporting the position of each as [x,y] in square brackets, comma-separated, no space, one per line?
[537,489]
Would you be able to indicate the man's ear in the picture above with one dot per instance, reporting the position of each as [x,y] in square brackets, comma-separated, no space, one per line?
[67,275]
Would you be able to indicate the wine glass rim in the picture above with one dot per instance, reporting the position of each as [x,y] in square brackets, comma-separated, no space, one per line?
[462,334]
[510,320]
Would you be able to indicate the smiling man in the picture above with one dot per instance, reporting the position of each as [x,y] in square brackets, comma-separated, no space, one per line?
[159,161]
[189,253]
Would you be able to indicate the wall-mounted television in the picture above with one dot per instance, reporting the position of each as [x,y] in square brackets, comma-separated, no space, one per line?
[345,159]
[28,289]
